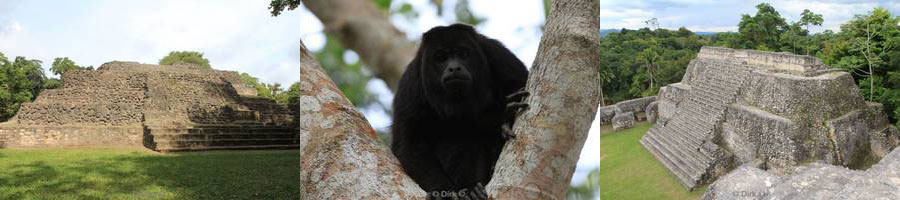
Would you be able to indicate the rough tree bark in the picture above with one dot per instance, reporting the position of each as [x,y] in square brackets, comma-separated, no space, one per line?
[564,85]
[342,159]
[364,28]
[341,156]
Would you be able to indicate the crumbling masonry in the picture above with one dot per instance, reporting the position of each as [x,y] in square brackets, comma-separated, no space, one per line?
[163,107]
[777,110]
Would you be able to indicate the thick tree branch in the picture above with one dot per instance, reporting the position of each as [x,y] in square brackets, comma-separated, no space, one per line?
[564,85]
[341,157]
[361,26]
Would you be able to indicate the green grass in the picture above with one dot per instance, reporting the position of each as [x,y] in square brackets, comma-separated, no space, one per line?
[628,171]
[135,173]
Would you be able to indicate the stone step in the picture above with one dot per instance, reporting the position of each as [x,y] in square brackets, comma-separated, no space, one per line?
[248,147]
[221,129]
[205,136]
[222,142]
[685,156]
[667,159]
[650,144]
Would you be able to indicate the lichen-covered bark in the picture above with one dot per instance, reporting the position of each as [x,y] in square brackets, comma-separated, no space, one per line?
[565,88]
[361,26]
[341,157]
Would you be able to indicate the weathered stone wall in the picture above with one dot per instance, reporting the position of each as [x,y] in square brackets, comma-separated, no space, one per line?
[752,134]
[128,94]
[635,106]
[767,61]
[56,136]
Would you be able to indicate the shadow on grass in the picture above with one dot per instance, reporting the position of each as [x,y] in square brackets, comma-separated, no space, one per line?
[205,175]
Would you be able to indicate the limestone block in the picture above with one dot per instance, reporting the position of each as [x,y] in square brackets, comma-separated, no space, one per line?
[606,113]
[634,105]
[623,121]
[745,182]
[652,112]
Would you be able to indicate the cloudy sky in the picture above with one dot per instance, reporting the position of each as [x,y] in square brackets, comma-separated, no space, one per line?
[724,15]
[237,35]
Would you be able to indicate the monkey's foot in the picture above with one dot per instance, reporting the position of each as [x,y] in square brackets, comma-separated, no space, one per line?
[514,108]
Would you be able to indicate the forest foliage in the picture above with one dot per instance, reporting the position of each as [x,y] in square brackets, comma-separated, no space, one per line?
[636,63]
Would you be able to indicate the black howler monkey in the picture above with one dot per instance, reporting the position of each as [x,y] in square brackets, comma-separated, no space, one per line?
[453,107]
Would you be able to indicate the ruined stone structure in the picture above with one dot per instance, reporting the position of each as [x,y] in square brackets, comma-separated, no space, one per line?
[637,106]
[165,108]
[776,109]
[623,120]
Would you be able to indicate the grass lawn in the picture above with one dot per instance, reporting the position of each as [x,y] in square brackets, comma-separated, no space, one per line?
[628,171]
[137,173]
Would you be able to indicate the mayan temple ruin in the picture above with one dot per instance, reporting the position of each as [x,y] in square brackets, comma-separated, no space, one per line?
[773,110]
[162,107]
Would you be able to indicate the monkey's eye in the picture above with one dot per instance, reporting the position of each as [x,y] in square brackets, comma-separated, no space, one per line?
[462,53]
[440,56]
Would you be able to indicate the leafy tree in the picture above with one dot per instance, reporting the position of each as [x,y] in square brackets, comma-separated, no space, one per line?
[20,81]
[62,65]
[185,57]
[762,30]
[869,47]
[809,18]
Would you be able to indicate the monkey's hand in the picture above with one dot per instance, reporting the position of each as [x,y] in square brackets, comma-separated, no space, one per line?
[514,107]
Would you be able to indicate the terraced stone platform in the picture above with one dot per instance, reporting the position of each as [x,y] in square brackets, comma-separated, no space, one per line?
[176,108]
[740,106]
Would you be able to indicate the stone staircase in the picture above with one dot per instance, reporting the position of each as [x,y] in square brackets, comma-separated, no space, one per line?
[219,137]
[678,144]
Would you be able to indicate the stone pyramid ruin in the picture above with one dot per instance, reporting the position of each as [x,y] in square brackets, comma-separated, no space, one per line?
[775,110]
[162,107]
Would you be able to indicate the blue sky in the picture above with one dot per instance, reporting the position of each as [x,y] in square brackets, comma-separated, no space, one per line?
[724,15]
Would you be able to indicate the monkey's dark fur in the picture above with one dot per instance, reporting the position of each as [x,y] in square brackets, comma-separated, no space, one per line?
[450,106]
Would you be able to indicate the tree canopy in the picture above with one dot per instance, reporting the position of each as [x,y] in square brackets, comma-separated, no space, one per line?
[185,57]
[20,81]
[62,65]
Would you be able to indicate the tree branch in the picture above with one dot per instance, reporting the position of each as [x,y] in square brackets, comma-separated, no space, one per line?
[361,26]
[564,84]
[341,157]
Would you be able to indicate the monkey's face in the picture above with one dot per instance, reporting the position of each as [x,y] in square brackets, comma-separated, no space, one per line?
[455,72]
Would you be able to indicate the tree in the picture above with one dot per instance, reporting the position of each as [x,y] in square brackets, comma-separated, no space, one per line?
[185,57]
[342,159]
[869,47]
[20,81]
[762,30]
[550,134]
[356,24]
[809,18]
[62,65]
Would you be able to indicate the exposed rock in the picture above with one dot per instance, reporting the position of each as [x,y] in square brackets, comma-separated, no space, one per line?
[623,121]
[605,114]
[734,107]
[652,112]
[745,182]
[812,181]
[634,105]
